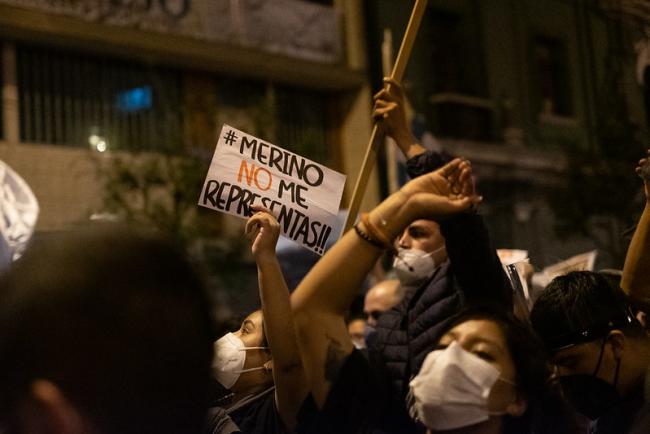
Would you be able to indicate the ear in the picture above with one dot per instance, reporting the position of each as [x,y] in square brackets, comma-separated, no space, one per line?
[616,339]
[518,407]
[48,411]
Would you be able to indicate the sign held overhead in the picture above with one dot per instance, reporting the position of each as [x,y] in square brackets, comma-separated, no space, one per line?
[302,194]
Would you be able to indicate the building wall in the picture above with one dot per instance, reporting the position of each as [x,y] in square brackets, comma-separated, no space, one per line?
[303,48]
[476,76]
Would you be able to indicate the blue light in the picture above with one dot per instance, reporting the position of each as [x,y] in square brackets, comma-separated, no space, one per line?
[132,100]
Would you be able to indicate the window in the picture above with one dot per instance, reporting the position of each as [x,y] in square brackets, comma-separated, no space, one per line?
[646,93]
[455,56]
[552,89]
[302,123]
[73,99]
[459,107]
[293,118]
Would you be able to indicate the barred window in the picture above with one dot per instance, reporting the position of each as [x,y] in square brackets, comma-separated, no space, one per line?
[293,118]
[302,123]
[552,91]
[74,99]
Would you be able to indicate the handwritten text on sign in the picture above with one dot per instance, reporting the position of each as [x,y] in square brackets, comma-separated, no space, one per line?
[302,194]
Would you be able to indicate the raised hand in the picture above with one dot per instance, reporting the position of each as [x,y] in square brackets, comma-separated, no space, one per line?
[448,190]
[389,109]
[643,170]
[263,230]
[453,181]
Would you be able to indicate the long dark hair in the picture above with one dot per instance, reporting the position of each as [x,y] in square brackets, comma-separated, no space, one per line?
[547,412]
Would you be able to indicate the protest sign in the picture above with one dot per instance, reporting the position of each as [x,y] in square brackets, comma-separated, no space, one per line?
[582,262]
[303,195]
[512,256]
[517,267]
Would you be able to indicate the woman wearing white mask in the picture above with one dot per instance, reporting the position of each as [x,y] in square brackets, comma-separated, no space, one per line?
[488,376]
[260,363]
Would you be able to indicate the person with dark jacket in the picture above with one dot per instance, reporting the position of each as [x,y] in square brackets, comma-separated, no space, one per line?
[352,397]
[465,271]
[600,352]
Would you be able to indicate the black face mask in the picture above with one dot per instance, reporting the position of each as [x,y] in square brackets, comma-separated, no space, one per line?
[589,394]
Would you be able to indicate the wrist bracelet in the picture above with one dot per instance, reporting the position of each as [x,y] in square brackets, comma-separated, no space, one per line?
[376,233]
[367,238]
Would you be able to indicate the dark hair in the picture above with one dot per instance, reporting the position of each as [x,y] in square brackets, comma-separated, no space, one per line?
[547,411]
[581,306]
[115,318]
[265,341]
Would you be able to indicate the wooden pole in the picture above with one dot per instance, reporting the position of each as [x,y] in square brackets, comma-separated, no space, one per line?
[389,144]
[377,135]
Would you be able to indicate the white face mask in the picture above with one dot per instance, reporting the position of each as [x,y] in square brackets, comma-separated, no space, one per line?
[413,266]
[452,389]
[359,344]
[229,359]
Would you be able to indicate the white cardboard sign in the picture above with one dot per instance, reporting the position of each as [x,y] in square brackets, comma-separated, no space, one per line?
[582,262]
[302,194]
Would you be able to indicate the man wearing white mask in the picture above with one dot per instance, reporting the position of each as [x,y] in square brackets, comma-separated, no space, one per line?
[442,268]
[421,249]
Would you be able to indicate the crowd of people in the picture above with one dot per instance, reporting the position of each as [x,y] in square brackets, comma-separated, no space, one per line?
[108,330]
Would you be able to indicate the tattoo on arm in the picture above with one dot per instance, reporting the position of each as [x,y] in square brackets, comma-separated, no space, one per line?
[334,359]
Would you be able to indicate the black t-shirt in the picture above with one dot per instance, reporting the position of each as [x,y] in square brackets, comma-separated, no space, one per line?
[357,403]
[258,415]
[218,422]
[356,400]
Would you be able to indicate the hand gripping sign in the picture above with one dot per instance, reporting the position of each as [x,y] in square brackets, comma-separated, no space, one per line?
[302,194]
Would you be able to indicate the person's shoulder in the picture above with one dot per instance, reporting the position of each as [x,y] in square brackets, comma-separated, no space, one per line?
[258,415]
[218,422]
[641,423]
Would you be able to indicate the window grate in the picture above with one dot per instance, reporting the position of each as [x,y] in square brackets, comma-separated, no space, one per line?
[69,98]
[302,122]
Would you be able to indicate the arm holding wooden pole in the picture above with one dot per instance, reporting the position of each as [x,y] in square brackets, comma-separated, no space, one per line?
[377,135]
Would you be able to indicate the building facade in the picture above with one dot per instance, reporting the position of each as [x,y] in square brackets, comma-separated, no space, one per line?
[84,80]
[518,86]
